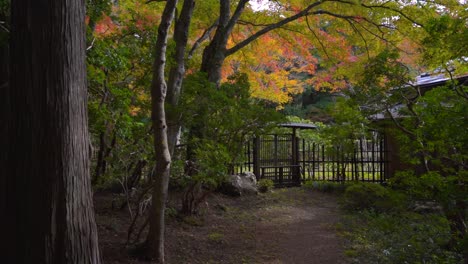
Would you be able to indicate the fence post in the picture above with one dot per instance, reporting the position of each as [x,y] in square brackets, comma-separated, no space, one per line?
[355,162]
[323,164]
[313,161]
[303,161]
[295,158]
[373,157]
[382,157]
[280,175]
[256,157]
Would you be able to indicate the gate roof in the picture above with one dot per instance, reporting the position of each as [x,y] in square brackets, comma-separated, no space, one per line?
[299,125]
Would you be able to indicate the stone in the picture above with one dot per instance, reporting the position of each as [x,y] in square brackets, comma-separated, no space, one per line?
[240,185]
[427,207]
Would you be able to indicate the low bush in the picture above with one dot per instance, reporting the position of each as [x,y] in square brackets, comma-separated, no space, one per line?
[371,196]
[326,186]
[397,238]
[215,237]
[265,185]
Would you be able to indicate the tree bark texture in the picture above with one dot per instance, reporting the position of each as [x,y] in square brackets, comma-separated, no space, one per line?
[4,76]
[49,209]
[215,53]
[155,239]
[177,72]
[104,151]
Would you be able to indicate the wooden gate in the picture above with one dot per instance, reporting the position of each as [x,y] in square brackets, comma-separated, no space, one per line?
[275,158]
[289,161]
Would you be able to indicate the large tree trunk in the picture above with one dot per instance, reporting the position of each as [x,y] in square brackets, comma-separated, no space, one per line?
[155,239]
[215,53]
[213,58]
[49,209]
[4,76]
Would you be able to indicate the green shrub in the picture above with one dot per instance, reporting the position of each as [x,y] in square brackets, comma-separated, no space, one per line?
[326,186]
[371,196]
[265,185]
[397,238]
[215,237]
[170,212]
[220,120]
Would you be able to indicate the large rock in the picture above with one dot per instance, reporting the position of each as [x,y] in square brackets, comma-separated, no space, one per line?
[243,184]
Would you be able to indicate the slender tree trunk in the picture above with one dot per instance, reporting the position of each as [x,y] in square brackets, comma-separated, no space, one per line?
[155,239]
[177,72]
[166,131]
[105,149]
[100,163]
[49,207]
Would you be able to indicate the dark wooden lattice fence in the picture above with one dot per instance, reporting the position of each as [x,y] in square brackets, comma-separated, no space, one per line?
[289,161]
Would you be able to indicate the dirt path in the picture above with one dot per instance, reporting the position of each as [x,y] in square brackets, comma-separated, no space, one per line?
[287,226]
[301,228]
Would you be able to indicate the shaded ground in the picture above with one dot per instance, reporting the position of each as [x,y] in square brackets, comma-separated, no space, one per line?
[287,226]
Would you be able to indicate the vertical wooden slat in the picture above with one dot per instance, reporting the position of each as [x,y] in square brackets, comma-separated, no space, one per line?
[335,163]
[303,158]
[248,156]
[323,162]
[313,160]
[382,157]
[373,158]
[275,152]
[256,157]
[369,160]
[280,175]
[295,172]
[355,162]
[386,158]
[362,158]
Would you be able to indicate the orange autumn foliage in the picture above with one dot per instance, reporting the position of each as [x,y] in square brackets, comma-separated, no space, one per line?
[273,64]
[105,26]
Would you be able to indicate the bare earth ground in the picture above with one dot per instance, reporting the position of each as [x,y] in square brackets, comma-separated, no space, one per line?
[286,226]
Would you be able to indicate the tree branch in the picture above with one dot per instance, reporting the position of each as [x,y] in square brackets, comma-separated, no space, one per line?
[150,1]
[362,37]
[402,128]
[2,26]
[318,39]
[354,19]
[206,34]
[237,13]
[91,45]
[271,27]
[460,92]
[383,6]
[247,23]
